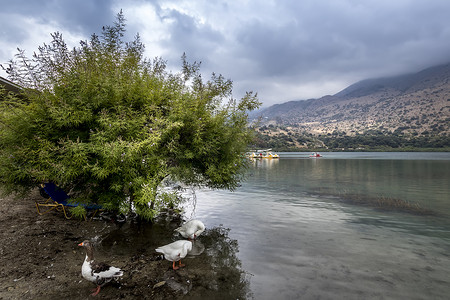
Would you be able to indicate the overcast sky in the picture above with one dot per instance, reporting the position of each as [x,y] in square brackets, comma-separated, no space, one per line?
[284,50]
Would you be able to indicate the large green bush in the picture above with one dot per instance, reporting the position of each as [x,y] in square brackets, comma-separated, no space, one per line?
[108,125]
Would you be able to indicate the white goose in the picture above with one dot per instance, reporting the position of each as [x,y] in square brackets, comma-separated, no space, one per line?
[192,229]
[175,251]
[98,273]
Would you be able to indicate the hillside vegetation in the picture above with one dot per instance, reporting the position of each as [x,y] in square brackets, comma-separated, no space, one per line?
[405,112]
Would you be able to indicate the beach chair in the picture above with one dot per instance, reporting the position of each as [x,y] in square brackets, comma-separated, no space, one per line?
[57,200]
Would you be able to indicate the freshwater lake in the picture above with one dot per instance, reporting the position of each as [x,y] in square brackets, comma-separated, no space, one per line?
[344,226]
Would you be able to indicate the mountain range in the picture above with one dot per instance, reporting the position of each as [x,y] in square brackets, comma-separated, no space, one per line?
[416,104]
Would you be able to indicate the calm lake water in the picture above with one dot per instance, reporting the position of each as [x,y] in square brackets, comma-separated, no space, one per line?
[344,226]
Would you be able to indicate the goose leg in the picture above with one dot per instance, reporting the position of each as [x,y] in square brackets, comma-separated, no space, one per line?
[173,266]
[97,290]
[180,265]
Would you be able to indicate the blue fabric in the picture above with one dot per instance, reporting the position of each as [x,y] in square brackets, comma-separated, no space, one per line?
[58,195]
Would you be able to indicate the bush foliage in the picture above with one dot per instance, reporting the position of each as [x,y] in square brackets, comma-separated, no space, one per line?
[108,125]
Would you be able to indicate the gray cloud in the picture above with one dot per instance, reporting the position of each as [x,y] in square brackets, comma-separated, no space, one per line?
[285,50]
[79,16]
[198,41]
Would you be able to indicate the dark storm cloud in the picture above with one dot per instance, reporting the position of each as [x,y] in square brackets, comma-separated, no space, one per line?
[343,38]
[85,17]
[187,35]
[286,50]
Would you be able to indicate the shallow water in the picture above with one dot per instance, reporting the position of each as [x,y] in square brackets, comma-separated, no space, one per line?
[299,238]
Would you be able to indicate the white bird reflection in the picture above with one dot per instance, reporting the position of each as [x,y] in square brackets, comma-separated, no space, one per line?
[197,248]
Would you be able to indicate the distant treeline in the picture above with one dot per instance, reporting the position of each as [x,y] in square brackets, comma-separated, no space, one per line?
[362,142]
[386,141]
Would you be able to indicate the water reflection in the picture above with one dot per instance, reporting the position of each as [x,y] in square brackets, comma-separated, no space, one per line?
[197,248]
[265,163]
[223,273]
[300,241]
[424,182]
[290,231]
[213,269]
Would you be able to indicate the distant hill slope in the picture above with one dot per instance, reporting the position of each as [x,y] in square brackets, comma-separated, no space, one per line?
[416,103]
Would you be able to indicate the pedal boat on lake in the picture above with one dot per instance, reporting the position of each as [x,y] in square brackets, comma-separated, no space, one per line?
[263,154]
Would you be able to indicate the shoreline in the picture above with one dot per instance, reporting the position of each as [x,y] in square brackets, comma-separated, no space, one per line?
[41,259]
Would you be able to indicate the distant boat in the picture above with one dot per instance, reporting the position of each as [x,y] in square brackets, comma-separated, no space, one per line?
[263,154]
[315,155]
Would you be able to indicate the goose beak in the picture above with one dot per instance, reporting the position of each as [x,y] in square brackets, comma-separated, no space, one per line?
[81,244]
